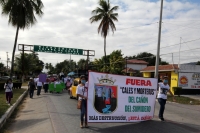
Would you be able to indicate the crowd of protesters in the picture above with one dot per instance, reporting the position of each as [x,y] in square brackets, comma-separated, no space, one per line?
[36,84]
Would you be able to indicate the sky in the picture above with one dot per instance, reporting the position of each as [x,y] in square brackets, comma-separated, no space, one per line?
[65,23]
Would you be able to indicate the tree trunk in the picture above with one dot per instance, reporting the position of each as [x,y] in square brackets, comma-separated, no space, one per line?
[105,54]
[13,54]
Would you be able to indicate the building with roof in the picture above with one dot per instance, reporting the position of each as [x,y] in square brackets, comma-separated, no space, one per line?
[183,75]
[136,64]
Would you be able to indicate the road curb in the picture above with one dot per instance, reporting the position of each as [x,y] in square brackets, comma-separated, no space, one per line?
[10,110]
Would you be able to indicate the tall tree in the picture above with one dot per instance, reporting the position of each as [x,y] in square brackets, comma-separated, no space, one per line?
[21,15]
[1,65]
[47,66]
[148,57]
[105,14]
[31,64]
[82,64]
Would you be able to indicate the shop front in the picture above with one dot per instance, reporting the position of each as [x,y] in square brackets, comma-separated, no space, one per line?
[171,71]
[185,76]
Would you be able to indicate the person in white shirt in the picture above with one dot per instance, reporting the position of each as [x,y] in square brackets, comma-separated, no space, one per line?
[81,92]
[65,80]
[46,85]
[162,96]
[8,90]
[39,86]
[58,81]
[62,76]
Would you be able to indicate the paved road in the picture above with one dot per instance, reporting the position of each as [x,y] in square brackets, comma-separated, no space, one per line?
[56,113]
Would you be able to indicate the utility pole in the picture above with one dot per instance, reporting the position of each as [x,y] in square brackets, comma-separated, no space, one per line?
[179,53]
[87,62]
[23,63]
[7,61]
[158,46]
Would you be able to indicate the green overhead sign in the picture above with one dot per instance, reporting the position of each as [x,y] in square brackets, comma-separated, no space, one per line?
[58,50]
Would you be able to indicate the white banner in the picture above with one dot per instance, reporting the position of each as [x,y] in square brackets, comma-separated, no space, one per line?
[114,98]
[189,80]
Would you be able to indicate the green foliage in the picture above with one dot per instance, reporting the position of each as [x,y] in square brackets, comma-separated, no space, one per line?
[17,93]
[2,69]
[117,62]
[164,63]
[115,66]
[198,63]
[22,12]
[66,66]
[31,63]
[148,57]
[1,66]
[82,64]
[183,100]
[105,14]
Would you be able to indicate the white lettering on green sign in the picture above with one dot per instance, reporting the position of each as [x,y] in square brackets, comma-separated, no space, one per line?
[59,50]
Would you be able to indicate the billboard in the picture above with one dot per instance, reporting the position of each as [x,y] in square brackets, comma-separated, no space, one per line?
[189,80]
[116,98]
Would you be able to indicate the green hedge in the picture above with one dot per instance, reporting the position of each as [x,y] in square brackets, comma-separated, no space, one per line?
[177,90]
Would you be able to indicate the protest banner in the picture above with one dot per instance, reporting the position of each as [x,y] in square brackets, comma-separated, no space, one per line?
[42,77]
[115,98]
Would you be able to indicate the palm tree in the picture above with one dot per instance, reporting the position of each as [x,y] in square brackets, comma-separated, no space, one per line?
[21,15]
[47,66]
[106,15]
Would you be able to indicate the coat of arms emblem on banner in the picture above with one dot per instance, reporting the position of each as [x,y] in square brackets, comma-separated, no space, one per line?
[105,95]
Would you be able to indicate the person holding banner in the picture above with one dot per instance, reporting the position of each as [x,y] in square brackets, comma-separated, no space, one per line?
[81,92]
[162,96]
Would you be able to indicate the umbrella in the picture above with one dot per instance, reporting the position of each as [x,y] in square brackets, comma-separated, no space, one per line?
[71,73]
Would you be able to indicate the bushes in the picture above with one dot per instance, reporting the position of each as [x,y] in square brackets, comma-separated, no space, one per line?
[16,85]
[177,90]
[2,86]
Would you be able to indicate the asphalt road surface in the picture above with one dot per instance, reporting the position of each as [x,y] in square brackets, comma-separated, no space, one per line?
[56,113]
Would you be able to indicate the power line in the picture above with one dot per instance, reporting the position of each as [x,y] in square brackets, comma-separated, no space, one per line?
[136,26]
[176,44]
[185,26]
[190,49]
[180,51]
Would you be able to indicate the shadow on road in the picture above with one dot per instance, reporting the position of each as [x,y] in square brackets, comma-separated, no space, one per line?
[146,127]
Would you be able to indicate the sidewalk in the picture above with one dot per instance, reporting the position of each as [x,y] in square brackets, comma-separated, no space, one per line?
[34,117]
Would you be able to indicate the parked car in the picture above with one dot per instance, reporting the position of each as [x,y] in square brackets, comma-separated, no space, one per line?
[74,87]
[4,78]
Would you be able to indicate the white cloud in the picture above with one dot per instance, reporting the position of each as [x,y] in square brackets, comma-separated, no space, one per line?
[66,23]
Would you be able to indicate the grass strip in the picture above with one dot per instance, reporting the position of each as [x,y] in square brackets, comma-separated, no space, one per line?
[183,100]
[3,105]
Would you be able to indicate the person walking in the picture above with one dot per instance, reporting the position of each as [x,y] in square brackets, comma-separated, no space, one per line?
[31,87]
[39,86]
[81,92]
[46,85]
[162,96]
[8,90]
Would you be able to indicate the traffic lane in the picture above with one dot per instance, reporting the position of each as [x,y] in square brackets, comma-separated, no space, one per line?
[184,115]
[70,117]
